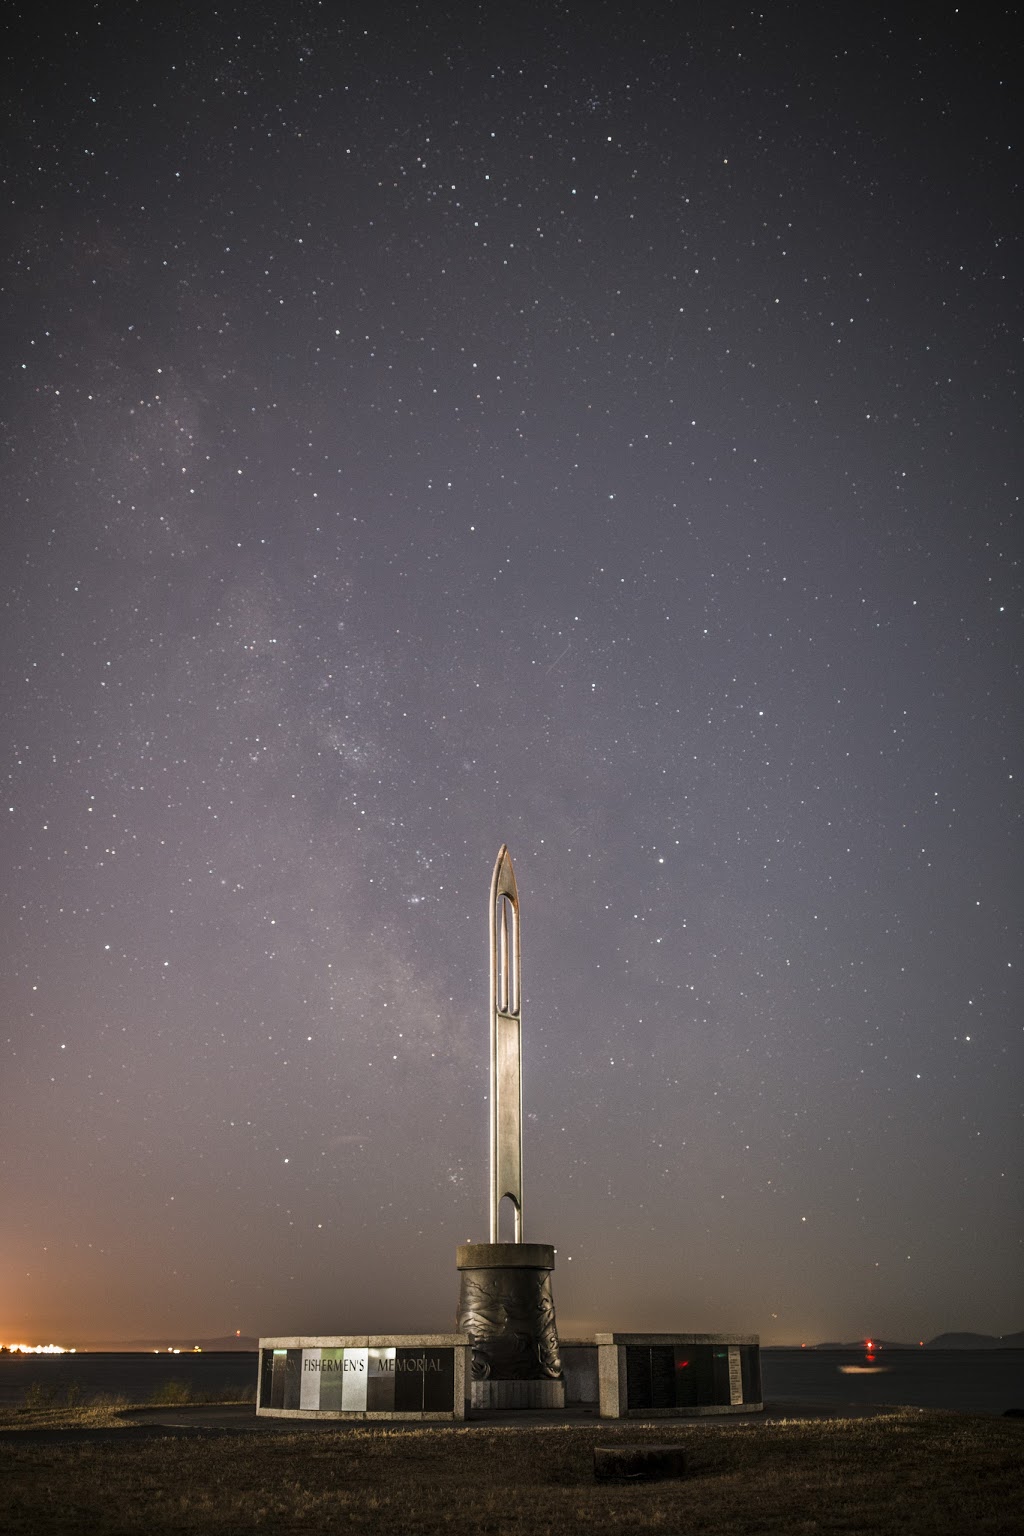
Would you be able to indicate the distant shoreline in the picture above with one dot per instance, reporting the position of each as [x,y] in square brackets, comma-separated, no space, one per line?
[249,1345]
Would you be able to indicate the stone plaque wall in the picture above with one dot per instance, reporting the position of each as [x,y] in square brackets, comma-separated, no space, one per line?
[666,1374]
[336,1378]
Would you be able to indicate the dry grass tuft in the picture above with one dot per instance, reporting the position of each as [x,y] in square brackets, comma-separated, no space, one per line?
[96,1415]
[901,1475]
[175,1394]
[67,1409]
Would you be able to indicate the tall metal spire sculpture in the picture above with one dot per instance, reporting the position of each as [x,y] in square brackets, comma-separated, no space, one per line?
[505,1301]
[506,1098]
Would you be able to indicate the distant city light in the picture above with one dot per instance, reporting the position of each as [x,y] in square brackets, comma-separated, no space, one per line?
[38,1349]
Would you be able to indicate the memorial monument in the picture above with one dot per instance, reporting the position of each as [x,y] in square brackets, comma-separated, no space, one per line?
[506,1352]
[505,1300]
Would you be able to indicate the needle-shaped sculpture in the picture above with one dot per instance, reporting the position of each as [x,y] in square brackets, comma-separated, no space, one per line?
[505,1301]
[506,1098]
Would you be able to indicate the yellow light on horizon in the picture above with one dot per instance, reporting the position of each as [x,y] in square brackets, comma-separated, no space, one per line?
[39,1349]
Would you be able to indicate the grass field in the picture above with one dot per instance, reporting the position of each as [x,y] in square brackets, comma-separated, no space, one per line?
[907,1474]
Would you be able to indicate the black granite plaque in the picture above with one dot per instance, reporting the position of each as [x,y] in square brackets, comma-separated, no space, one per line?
[266,1378]
[687,1379]
[292,1378]
[663,1377]
[439,1381]
[695,1376]
[279,1359]
[638,1376]
[721,1388]
[750,1366]
[409,1380]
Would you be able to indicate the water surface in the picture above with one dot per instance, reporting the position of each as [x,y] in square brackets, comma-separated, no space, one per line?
[965,1380]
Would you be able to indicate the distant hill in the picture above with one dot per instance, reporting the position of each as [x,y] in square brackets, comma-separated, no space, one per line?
[941,1341]
[976,1341]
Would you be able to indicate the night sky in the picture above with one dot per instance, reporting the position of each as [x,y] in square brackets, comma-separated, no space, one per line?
[591,428]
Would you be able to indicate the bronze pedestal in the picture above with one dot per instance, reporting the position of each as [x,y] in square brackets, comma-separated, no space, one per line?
[506,1307]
